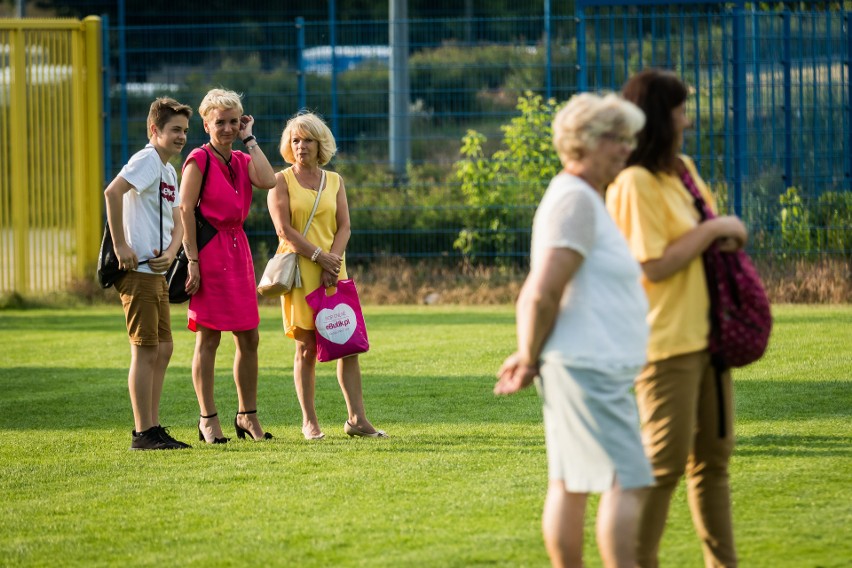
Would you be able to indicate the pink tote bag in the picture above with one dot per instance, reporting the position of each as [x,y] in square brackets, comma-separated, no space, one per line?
[339,322]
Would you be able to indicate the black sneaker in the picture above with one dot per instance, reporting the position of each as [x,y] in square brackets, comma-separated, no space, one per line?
[164,436]
[150,440]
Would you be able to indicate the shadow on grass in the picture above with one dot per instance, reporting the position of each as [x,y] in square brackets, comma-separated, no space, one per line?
[791,400]
[808,319]
[71,398]
[781,445]
[40,321]
[439,318]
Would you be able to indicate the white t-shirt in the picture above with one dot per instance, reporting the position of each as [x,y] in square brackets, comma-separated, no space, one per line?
[601,321]
[148,175]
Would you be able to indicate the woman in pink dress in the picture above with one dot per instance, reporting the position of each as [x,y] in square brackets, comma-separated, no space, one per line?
[221,275]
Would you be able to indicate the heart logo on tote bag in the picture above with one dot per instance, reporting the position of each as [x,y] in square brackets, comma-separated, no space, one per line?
[337,324]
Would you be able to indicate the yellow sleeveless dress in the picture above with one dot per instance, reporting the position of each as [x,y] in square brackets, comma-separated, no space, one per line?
[295,309]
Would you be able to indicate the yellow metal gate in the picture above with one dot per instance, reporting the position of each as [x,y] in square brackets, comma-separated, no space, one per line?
[51,153]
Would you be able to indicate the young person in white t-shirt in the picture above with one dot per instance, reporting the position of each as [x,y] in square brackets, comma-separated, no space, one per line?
[142,210]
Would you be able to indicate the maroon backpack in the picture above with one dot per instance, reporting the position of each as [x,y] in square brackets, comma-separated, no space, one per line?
[740,317]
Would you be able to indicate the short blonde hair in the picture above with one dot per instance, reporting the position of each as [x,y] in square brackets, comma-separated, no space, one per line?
[579,125]
[308,125]
[221,99]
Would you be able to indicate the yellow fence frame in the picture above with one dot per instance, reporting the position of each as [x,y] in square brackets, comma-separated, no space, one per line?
[51,153]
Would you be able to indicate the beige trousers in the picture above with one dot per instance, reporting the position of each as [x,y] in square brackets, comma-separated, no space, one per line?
[678,402]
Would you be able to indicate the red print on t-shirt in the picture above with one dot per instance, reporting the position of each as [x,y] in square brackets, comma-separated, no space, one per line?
[168,192]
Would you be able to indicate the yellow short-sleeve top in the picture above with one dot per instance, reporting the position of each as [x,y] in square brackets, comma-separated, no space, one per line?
[321,233]
[652,211]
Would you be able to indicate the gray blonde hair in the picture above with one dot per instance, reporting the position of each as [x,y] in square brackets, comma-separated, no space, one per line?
[308,125]
[579,125]
[221,99]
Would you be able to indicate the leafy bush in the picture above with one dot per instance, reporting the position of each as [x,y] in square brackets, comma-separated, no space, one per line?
[823,227]
[504,189]
[833,220]
[795,223]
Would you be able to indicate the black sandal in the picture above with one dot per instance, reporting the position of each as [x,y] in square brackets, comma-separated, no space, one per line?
[241,432]
[201,437]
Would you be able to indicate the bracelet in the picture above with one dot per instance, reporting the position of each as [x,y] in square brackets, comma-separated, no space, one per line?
[248,139]
[195,260]
[316,254]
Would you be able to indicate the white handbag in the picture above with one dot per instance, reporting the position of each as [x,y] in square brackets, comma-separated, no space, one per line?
[282,271]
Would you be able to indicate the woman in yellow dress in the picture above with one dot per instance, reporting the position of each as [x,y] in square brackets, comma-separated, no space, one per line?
[308,144]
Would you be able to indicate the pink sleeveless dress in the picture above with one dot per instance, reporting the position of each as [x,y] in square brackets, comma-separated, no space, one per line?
[227,298]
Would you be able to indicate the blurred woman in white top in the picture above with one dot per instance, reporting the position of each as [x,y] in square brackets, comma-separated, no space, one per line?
[581,330]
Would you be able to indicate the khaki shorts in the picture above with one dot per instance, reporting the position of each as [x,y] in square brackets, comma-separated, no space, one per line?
[145,298]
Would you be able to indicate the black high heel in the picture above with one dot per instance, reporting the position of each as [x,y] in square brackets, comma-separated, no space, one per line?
[241,432]
[201,434]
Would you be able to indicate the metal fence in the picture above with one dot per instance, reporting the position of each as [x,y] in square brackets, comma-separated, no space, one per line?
[50,152]
[771,104]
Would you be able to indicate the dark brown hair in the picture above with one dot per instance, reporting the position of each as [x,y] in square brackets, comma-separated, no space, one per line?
[163,110]
[657,92]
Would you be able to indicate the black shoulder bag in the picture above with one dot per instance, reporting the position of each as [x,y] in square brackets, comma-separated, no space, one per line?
[204,233]
[108,270]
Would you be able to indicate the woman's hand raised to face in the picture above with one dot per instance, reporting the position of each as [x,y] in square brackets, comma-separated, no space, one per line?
[246,125]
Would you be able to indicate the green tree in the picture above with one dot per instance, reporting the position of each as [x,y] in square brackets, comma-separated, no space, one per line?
[504,189]
[795,224]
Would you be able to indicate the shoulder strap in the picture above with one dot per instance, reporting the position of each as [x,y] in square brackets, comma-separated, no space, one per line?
[316,203]
[160,190]
[204,173]
[697,200]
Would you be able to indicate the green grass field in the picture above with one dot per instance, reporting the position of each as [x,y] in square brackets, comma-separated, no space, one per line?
[460,482]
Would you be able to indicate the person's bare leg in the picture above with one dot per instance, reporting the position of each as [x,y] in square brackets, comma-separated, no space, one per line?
[617,526]
[562,525]
[140,384]
[203,368]
[349,378]
[245,377]
[304,378]
[164,355]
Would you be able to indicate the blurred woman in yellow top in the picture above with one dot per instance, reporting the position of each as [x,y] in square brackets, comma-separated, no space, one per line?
[684,405]
[308,144]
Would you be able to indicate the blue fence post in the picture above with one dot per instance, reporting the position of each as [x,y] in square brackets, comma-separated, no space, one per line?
[107,129]
[122,79]
[756,106]
[332,40]
[788,101]
[848,152]
[300,62]
[580,20]
[696,83]
[740,111]
[548,71]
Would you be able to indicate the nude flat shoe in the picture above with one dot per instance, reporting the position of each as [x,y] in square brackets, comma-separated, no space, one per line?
[307,436]
[353,431]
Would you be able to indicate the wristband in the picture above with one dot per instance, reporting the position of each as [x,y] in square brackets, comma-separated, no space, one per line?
[248,139]
[316,254]
[195,260]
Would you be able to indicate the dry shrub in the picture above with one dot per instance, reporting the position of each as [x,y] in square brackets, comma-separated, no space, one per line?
[88,291]
[396,281]
[827,281]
